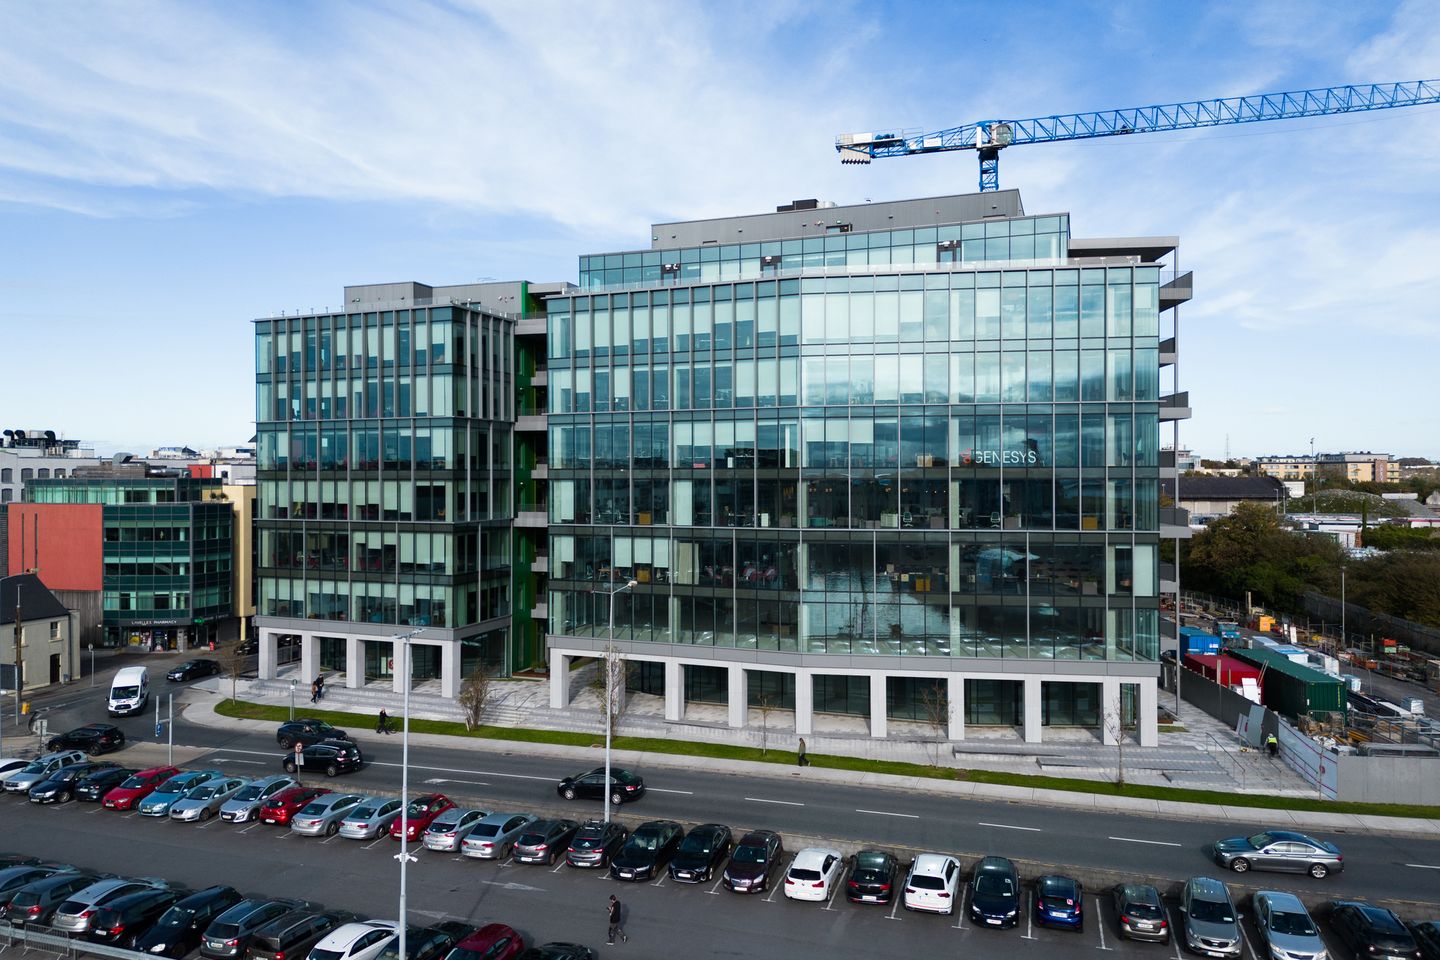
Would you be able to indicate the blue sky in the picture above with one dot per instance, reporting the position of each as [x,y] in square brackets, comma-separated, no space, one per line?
[170,171]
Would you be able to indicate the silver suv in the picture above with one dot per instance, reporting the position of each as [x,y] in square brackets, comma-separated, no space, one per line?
[40,769]
[1212,927]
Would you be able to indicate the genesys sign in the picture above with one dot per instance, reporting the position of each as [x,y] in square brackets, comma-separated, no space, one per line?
[1026,457]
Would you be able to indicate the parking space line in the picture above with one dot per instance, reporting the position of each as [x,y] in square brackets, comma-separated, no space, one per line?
[1030,920]
[964,892]
[661,881]
[1423,866]
[895,905]
[335,836]
[1175,933]
[1100,924]
[249,828]
[1156,843]
[92,813]
[373,842]
[887,813]
[1246,937]
[830,904]
[1010,826]
[784,803]
[714,890]
[687,793]
[558,867]
[774,889]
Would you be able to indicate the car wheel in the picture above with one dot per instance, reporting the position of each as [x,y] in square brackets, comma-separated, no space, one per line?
[289,766]
[206,813]
[569,793]
[65,798]
[287,742]
[332,829]
[52,746]
[331,770]
[1319,871]
[617,798]
[1240,865]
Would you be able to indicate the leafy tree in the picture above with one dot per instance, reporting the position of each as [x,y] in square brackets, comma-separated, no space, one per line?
[1402,583]
[1251,549]
[1392,536]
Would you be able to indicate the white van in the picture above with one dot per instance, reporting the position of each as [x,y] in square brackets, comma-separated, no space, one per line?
[129,691]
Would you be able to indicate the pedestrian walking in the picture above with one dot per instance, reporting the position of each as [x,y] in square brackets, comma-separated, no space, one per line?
[314,690]
[383,724]
[320,687]
[800,758]
[617,922]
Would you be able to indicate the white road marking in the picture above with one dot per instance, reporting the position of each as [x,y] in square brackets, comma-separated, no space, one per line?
[887,813]
[1100,924]
[714,891]
[559,866]
[687,793]
[1246,937]
[1423,866]
[830,904]
[895,904]
[1175,933]
[1010,826]
[785,803]
[774,889]
[1030,920]
[477,783]
[661,881]
[479,773]
[964,891]
[258,763]
[380,839]
[1155,843]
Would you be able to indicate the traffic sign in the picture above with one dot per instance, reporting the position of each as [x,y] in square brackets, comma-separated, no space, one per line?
[159,729]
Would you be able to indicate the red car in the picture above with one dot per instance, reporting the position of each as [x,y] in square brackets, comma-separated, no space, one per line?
[285,804]
[421,811]
[494,941]
[137,788]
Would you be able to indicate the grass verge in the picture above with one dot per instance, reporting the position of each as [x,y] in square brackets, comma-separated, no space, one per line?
[258,711]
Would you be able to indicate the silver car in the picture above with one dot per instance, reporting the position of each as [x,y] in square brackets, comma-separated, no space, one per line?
[323,814]
[245,805]
[40,769]
[73,916]
[1212,927]
[1282,850]
[370,819]
[1286,928]
[204,801]
[492,837]
[449,830]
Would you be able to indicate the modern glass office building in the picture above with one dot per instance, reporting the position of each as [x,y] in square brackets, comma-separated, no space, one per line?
[868,460]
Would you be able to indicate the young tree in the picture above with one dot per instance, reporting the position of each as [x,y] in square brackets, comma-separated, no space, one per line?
[935,709]
[474,697]
[765,704]
[1115,727]
[611,665]
[233,664]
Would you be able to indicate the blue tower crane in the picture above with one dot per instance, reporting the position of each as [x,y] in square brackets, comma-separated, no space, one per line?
[989,137]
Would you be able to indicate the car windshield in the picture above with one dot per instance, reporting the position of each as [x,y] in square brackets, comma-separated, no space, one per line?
[486,830]
[363,813]
[644,840]
[1058,888]
[317,954]
[1211,911]
[1295,924]
[418,808]
[25,898]
[35,766]
[749,854]
[867,875]
[994,885]
[173,785]
[314,809]
[251,792]
[1144,911]
[177,917]
[1260,840]
[133,783]
[927,883]
[205,791]
[800,873]
[123,693]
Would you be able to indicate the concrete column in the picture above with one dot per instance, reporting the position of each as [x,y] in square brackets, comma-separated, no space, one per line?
[309,657]
[559,680]
[268,655]
[674,690]
[956,684]
[450,669]
[354,662]
[738,697]
[804,703]
[879,720]
[400,667]
[1147,713]
[1110,711]
[1034,698]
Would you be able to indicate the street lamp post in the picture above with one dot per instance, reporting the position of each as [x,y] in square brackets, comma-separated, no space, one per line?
[610,693]
[292,700]
[404,856]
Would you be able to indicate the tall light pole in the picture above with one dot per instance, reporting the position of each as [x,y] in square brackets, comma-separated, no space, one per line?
[404,856]
[19,636]
[609,693]
[1342,611]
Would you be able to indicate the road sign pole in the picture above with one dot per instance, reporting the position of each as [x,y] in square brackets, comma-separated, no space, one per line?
[170,723]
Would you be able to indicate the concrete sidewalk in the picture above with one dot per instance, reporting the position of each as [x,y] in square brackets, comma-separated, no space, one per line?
[202,711]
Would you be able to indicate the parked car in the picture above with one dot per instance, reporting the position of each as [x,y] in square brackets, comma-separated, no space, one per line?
[100,781]
[332,756]
[1059,902]
[322,816]
[245,805]
[8,860]
[624,786]
[493,837]
[204,801]
[93,739]
[20,875]
[193,670]
[427,943]
[291,936]
[494,941]
[9,765]
[872,878]
[1285,926]
[40,769]
[288,802]
[62,784]
[558,951]
[814,874]
[933,884]
[1281,850]
[753,862]
[1209,918]
[137,788]
[179,929]
[75,914]
[361,940]
[370,818]
[420,813]
[229,934]
[35,902]
[449,830]
[701,853]
[543,841]
[166,795]
[994,893]
[1141,912]
[1371,931]
[121,922]
[649,848]
[309,731]
[1427,938]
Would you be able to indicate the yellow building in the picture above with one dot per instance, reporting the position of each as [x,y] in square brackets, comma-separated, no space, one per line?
[242,503]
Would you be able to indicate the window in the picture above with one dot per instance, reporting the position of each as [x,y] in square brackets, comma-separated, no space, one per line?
[54,629]
[7,475]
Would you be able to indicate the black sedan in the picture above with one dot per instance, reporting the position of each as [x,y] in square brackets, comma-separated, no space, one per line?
[995,893]
[624,786]
[1371,931]
[121,922]
[701,853]
[193,670]
[94,785]
[872,879]
[308,731]
[63,783]
[595,843]
[93,738]
[181,928]
[649,848]
[334,757]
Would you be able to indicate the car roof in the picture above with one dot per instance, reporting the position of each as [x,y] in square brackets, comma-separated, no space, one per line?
[812,857]
[500,816]
[658,825]
[1140,893]
[758,837]
[993,865]
[871,858]
[1056,881]
[931,863]
[1209,887]
[1282,901]
[342,936]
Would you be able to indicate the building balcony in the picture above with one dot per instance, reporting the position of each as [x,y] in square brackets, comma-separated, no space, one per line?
[541,611]
[541,378]
[532,423]
[540,564]
[530,327]
[533,516]
[1169,352]
[1167,579]
[1177,291]
[541,471]
[1174,523]
[1175,406]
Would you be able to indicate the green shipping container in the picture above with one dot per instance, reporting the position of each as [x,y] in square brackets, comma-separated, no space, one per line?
[1292,689]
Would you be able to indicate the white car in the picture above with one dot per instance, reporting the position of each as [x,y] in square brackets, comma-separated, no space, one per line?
[933,883]
[355,941]
[814,874]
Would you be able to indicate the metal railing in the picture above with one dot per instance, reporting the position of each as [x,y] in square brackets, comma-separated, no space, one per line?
[32,939]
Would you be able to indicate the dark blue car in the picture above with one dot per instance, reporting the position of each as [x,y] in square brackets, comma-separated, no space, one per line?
[1059,902]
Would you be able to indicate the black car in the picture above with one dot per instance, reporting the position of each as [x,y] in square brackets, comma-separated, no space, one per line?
[595,843]
[293,934]
[122,921]
[308,731]
[332,756]
[427,943]
[624,786]
[544,841]
[63,783]
[179,929]
[753,862]
[995,893]
[872,879]
[1427,937]
[13,878]
[558,951]
[94,785]
[229,934]
[36,901]
[1371,931]
[193,670]
[649,848]
[701,853]
[8,860]
[93,738]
